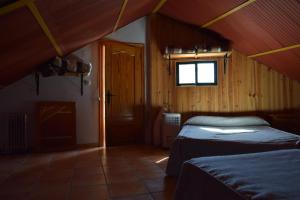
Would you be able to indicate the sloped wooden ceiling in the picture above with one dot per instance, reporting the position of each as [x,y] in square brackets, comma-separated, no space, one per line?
[261,26]
[71,24]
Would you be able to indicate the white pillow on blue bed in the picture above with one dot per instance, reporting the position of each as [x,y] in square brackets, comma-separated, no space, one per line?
[226,121]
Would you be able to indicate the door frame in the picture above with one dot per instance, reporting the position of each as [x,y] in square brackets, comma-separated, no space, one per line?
[101,85]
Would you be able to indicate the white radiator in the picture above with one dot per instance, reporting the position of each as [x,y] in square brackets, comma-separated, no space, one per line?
[13,133]
[170,127]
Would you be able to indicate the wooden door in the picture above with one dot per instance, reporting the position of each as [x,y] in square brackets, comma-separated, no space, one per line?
[124,86]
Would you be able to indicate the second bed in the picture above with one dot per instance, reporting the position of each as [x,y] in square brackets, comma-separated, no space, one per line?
[211,136]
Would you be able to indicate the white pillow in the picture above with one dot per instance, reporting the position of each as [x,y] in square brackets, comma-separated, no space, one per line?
[226,121]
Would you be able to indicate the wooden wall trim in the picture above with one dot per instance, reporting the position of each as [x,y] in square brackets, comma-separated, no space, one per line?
[148,125]
[40,20]
[101,98]
[13,6]
[120,15]
[159,5]
[275,51]
[230,12]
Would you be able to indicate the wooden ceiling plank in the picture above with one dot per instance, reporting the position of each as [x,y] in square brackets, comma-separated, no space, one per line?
[275,51]
[230,12]
[34,10]
[159,5]
[120,15]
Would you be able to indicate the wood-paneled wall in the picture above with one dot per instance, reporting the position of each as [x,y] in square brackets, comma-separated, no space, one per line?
[246,85]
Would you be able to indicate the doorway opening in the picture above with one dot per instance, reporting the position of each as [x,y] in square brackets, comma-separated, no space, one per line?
[121,93]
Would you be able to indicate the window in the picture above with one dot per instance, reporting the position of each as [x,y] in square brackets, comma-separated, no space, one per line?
[196,73]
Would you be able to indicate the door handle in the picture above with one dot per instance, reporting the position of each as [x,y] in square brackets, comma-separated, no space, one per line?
[109,95]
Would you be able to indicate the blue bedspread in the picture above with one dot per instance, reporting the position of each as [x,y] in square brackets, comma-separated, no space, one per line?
[259,176]
[245,134]
[197,141]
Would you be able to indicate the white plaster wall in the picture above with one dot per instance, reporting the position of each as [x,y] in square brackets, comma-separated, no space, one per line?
[134,32]
[21,96]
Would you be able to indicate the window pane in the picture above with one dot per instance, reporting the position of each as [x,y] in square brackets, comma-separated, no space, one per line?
[186,73]
[206,72]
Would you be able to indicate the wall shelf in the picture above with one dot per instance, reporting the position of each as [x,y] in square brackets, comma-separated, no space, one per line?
[175,56]
[179,56]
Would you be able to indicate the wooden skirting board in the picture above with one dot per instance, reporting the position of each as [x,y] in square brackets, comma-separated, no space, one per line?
[87,145]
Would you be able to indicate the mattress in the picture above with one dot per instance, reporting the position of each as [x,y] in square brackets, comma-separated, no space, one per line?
[259,176]
[197,141]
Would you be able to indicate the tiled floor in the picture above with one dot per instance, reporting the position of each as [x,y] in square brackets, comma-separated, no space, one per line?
[118,173]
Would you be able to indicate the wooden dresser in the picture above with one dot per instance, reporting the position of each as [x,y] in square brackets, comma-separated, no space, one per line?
[56,126]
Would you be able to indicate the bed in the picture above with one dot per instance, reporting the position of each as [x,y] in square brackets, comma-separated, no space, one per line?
[210,136]
[259,176]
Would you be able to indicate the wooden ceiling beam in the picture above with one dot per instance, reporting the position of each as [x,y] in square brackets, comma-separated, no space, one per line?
[230,12]
[35,12]
[159,5]
[13,6]
[124,4]
[275,51]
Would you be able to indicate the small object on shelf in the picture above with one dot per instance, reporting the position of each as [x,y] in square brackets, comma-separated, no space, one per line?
[177,50]
[167,50]
[216,49]
[57,61]
[187,51]
[65,66]
[196,52]
[71,65]
[197,55]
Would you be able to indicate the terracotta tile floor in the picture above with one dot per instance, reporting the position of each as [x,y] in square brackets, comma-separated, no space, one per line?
[117,173]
